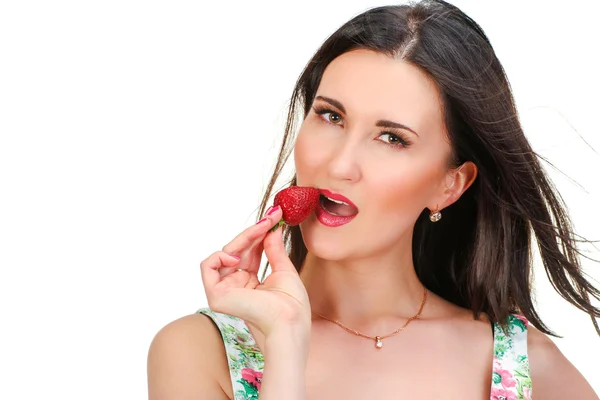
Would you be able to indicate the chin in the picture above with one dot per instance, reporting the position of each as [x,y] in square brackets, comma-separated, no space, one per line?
[321,243]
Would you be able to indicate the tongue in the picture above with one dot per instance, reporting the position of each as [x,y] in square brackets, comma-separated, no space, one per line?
[339,209]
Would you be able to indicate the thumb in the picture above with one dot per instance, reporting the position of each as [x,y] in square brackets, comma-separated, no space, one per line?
[276,252]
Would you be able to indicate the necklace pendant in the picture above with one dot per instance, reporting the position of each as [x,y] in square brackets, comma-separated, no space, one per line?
[378,342]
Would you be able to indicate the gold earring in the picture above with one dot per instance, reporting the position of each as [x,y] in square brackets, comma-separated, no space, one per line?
[436,215]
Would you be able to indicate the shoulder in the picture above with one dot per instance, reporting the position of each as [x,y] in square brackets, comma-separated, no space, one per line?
[552,374]
[187,359]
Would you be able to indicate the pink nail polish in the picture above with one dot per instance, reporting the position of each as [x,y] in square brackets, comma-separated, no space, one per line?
[262,220]
[236,257]
[273,210]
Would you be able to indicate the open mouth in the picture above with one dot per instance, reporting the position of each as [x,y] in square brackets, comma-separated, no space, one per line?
[336,207]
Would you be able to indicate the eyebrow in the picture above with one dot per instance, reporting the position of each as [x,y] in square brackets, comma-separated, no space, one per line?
[383,123]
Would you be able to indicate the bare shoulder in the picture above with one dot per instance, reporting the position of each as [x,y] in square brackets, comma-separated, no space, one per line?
[552,374]
[187,360]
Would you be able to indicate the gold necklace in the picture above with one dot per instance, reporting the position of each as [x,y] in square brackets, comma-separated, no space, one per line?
[379,339]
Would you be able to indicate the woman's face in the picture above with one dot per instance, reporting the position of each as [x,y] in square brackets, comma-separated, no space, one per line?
[390,173]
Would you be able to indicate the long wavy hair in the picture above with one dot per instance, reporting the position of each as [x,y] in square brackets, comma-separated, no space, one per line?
[479,256]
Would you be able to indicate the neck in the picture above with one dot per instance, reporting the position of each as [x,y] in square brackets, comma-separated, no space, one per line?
[364,292]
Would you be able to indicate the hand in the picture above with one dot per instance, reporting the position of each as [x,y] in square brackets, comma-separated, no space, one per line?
[232,286]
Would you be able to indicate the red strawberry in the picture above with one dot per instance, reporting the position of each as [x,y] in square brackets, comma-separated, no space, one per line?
[297,203]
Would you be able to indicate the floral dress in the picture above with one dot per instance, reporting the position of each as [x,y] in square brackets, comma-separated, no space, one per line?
[510,377]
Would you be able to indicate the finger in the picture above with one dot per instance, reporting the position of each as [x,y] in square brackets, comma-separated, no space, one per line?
[223,272]
[253,281]
[276,252]
[238,279]
[209,268]
[254,233]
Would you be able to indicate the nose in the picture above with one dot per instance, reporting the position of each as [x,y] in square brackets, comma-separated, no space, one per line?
[344,163]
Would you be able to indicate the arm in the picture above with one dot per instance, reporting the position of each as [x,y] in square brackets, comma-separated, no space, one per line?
[187,360]
[553,377]
[286,354]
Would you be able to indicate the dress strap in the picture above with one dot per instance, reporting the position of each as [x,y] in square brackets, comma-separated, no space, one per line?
[246,362]
[511,375]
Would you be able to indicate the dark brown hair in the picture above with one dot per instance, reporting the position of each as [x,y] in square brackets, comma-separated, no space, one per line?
[479,255]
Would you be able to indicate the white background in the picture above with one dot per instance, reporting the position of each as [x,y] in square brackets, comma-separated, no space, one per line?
[137,137]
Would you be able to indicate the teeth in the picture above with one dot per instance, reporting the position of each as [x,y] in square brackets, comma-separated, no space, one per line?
[337,201]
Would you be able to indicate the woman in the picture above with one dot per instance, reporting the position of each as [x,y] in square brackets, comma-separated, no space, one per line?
[412,278]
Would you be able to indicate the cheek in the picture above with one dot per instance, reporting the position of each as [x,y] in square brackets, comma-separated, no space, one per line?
[310,154]
[406,191]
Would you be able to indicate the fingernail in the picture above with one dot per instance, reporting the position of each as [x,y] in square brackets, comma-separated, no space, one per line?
[236,257]
[269,210]
[273,210]
[262,220]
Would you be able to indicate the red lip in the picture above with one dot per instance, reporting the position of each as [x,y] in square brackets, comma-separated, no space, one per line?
[329,219]
[338,197]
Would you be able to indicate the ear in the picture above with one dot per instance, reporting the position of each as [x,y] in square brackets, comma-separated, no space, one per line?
[458,180]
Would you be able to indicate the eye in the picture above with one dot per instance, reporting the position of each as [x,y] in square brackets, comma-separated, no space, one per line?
[334,117]
[328,115]
[394,140]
